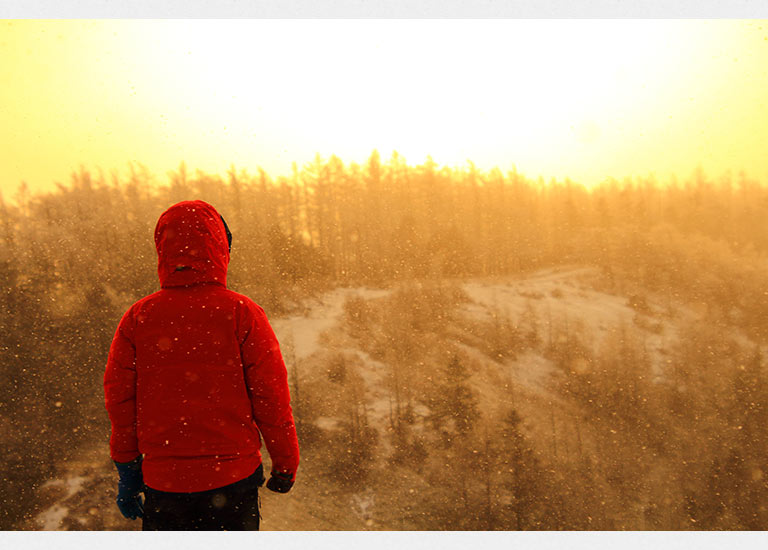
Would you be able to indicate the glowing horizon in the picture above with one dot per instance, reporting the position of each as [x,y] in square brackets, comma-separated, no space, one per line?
[579,99]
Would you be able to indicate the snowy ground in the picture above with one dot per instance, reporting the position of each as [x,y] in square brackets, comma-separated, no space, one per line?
[557,296]
[319,315]
[51,518]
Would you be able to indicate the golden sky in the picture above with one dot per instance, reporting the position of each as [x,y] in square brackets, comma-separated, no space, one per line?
[584,99]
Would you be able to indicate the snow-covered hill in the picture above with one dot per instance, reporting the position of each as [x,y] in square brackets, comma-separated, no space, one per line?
[553,303]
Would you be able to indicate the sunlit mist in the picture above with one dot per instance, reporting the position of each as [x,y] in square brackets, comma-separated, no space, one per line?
[516,270]
[584,100]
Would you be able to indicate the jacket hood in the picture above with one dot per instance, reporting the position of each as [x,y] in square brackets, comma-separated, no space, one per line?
[192,246]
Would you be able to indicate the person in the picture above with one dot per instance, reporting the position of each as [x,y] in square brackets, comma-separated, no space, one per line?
[194,379]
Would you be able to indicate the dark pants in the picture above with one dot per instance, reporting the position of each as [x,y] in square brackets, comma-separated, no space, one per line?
[233,507]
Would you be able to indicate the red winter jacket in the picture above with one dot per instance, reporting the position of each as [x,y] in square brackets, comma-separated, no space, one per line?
[194,371]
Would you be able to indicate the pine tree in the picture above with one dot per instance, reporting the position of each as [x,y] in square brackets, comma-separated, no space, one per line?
[522,474]
[453,399]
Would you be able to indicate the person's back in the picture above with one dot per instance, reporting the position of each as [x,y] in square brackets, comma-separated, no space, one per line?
[195,372]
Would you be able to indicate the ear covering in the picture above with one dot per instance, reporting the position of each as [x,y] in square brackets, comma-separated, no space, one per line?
[229,234]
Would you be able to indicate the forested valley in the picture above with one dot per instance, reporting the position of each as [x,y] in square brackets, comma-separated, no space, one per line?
[503,352]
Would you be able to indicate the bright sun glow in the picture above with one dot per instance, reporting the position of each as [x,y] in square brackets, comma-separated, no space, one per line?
[579,99]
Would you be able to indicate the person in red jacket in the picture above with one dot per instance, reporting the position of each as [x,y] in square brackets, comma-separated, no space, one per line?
[194,377]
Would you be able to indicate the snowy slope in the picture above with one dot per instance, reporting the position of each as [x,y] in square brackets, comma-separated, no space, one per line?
[82,497]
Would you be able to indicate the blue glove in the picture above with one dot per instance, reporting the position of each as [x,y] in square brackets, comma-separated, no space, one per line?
[131,484]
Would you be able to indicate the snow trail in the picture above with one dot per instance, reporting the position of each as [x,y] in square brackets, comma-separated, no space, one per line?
[51,518]
[320,315]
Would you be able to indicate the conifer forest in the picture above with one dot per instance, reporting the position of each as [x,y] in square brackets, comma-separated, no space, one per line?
[466,349]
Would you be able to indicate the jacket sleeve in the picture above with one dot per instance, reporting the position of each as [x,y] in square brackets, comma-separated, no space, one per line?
[120,392]
[267,382]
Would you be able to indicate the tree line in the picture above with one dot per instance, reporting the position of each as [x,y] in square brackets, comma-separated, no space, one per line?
[72,260]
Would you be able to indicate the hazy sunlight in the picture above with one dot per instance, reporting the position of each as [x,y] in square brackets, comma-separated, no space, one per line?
[580,99]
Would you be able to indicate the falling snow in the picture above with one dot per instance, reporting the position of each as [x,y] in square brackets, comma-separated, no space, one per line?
[465,351]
